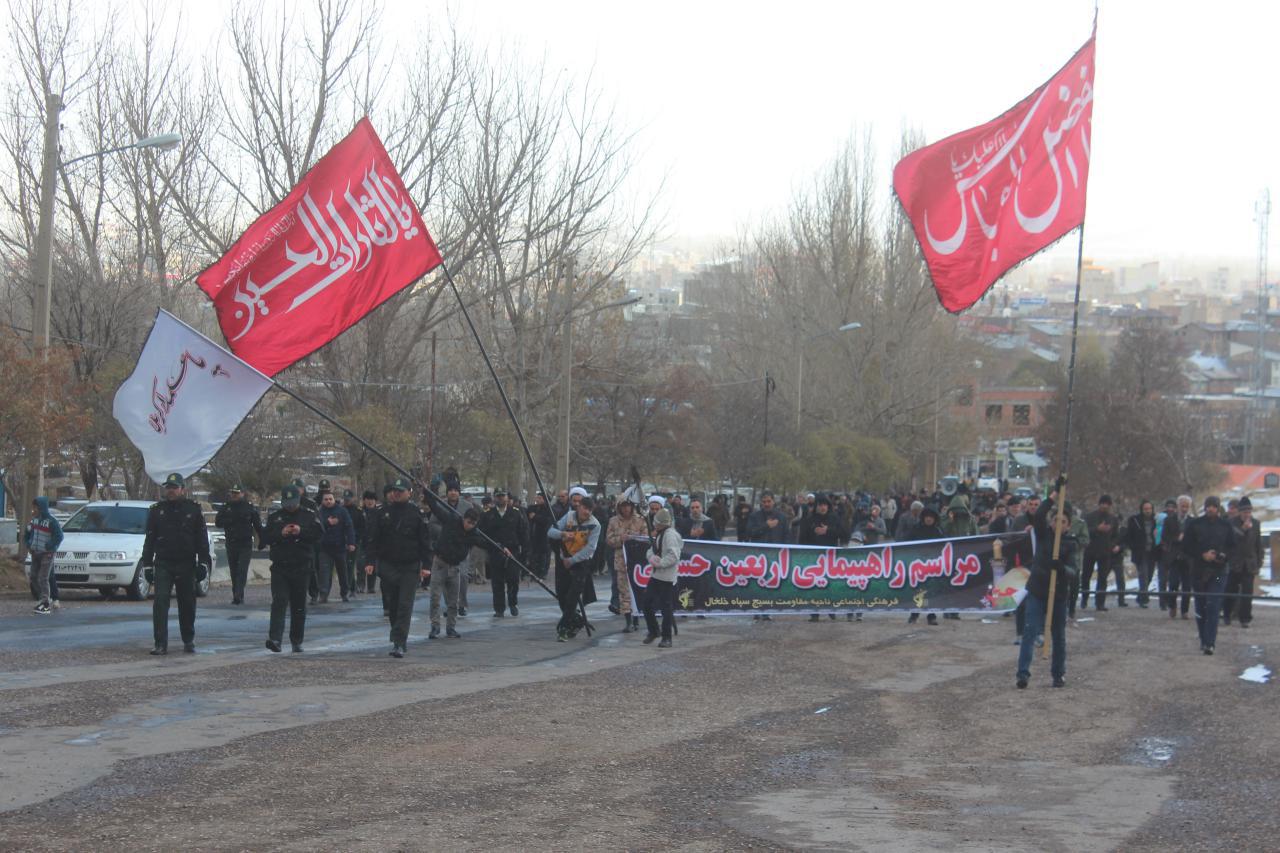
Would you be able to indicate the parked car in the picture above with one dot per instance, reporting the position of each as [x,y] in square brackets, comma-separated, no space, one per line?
[101,549]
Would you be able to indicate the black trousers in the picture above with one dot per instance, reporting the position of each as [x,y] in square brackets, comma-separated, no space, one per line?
[1241,582]
[1102,562]
[1111,564]
[333,559]
[1179,579]
[174,578]
[571,582]
[288,593]
[238,555]
[313,586]
[504,577]
[539,559]
[400,587]
[660,595]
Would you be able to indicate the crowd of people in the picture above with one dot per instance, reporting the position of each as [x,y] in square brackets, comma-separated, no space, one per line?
[390,545]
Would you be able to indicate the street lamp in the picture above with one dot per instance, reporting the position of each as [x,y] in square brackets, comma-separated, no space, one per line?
[847,327]
[42,264]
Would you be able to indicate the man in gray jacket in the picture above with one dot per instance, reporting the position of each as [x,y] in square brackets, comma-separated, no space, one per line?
[664,560]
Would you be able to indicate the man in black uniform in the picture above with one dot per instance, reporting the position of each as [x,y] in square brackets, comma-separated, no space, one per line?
[240,523]
[313,585]
[368,512]
[176,540]
[291,533]
[540,520]
[400,544]
[506,526]
[355,577]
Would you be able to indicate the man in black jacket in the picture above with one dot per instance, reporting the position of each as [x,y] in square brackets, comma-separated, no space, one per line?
[457,538]
[368,513]
[540,520]
[1172,554]
[1103,545]
[1209,544]
[291,533]
[241,525]
[506,526]
[177,547]
[400,546]
[1043,569]
[1243,565]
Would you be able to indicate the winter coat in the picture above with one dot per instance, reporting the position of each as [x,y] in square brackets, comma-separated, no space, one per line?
[665,558]
[176,533]
[710,532]
[240,521]
[1206,534]
[399,534]
[1247,557]
[43,534]
[1043,566]
[336,536]
[959,522]
[835,535]
[758,529]
[1140,536]
[455,541]
[619,531]
[296,550]
[1102,541]
[509,529]
[565,531]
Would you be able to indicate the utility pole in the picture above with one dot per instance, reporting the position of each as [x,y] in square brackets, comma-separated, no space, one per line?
[768,389]
[566,370]
[42,271]
[1262,214]
[431,415]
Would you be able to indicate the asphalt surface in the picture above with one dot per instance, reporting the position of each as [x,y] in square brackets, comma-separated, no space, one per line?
[761,735]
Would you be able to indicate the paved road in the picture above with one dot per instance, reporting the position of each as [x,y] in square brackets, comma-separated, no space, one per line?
[770,735]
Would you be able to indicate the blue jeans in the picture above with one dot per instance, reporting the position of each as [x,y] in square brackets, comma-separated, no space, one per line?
[1208,603]
[1034,627]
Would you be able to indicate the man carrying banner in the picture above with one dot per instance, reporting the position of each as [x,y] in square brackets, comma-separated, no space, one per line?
[1043,567]
[400,546]
[176,549]
[291,533]
[578,534]
[664,561]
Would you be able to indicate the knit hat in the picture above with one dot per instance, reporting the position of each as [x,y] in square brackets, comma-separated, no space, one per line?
[662,518]
[1245,503]
[370,493]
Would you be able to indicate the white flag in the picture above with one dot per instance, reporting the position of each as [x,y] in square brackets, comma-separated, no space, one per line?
[184,399]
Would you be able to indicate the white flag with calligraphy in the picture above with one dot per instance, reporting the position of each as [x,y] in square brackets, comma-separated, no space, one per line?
[184,399]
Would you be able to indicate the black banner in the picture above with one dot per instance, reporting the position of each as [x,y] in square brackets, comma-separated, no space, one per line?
[965,575]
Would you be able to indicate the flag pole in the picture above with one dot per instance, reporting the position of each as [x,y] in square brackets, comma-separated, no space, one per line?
[435,501]
[1061,497]
[506,402]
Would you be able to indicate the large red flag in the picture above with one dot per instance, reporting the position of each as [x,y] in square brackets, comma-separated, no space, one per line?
[346,239]
[986,199]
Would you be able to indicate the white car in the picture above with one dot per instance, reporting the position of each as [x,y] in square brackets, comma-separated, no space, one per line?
[101,549]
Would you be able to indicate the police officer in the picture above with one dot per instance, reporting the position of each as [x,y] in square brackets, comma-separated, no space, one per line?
[176,549]
[506,526]
[240,522]
[400,545]
[291,533]
[369,510]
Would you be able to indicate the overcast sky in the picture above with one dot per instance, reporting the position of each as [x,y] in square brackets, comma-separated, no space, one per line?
[742,102]
[739,103]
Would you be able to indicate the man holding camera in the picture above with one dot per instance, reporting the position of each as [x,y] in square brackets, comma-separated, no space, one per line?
[1209,543]
[176,557]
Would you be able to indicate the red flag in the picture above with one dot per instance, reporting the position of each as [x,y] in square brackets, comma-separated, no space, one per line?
[346,239]
[986,199]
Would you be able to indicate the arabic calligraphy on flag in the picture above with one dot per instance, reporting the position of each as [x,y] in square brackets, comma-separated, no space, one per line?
[344,240]
[184,398]
[986,199]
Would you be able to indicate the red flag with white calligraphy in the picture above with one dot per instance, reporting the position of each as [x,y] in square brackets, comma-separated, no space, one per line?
[986,199]
[346,239]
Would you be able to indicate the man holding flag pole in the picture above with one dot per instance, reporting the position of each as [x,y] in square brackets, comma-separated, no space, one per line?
[983,201]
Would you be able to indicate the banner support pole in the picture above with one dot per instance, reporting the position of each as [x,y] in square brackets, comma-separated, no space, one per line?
[1060,498]
[431,497]
[506,402]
